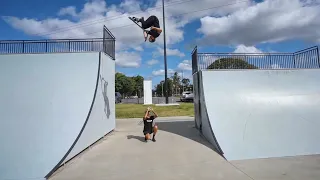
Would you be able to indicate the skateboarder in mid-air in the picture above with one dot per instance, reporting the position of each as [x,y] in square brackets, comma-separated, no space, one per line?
[153,23]
[149,125]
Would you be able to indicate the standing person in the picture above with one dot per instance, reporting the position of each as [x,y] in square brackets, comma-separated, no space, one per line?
[149,125]
[153,23]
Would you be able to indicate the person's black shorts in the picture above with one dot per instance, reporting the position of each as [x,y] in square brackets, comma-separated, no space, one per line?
[148,128]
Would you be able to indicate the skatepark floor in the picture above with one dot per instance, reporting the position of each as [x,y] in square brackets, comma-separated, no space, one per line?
[180,153]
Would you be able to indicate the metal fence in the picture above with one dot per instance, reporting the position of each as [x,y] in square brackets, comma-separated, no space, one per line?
[105,44]
[307,58]
[108,43]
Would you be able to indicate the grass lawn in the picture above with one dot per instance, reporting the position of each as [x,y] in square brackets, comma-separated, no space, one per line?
[137,110]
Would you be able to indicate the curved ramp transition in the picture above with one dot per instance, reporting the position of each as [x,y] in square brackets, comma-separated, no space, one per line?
[262,113]
[52,109]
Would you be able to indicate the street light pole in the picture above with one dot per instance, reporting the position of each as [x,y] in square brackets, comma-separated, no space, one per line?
[165,55]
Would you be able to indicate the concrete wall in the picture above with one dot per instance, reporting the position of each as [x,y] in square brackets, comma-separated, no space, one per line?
[264,113]
[147,89]
[45,101]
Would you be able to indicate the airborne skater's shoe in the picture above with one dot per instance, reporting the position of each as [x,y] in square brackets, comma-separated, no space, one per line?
[136,19]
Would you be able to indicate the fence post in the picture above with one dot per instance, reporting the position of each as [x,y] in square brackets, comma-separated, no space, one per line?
[23,46]
[294,61]
[114,49]
[194,60]
[103,40]
[46,45]
[92,45]
[318,56]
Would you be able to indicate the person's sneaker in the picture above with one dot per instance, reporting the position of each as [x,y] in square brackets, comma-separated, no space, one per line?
[153,139]
[135,19]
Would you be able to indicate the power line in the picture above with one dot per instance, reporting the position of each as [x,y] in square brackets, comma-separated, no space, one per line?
[58,30]
[177,15]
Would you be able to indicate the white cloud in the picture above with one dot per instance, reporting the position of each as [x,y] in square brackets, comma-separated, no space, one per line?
[138,48]
[187,11]
[169,52]
[160,72]
[268,21]
[227,22]
[96,13]
[152,62]
[171,72]
[187,75]
[70,10]
[246,49]
[128,59]
[185,65]
[90,20]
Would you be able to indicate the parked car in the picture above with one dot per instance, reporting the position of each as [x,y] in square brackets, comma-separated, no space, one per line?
[118,98]
[186,96]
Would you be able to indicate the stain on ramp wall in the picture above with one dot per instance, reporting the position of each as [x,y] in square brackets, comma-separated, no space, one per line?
[102,117]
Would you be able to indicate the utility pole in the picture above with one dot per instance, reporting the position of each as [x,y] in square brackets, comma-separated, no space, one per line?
[182,83]
[162,88]
[165,55]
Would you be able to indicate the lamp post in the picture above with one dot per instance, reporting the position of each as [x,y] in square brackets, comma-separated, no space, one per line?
[165,55]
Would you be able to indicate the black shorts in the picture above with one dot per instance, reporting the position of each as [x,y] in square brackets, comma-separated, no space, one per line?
[148,128]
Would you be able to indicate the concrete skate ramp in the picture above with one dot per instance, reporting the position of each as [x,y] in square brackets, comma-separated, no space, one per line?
[263,113]
[52,107]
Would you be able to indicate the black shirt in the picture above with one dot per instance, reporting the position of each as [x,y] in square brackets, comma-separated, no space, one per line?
[148,125]
[155,23]
[154,33]
[149,120]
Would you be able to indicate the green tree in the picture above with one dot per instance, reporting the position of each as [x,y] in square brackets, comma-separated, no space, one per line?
[176,80]
[138,89]
[231,63]
[123,84]
[119,82]
[129,86]
[159,88]
[185,83]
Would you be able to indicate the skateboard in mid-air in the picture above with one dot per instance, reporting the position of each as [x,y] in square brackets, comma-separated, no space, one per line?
[143,30]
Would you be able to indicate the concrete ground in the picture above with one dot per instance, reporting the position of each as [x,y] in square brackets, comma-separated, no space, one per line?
[180,153]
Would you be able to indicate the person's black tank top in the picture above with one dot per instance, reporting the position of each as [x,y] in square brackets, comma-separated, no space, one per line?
[156,23]
[149,120]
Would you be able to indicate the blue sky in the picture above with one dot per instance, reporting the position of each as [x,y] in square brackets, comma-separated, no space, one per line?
[212,25]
